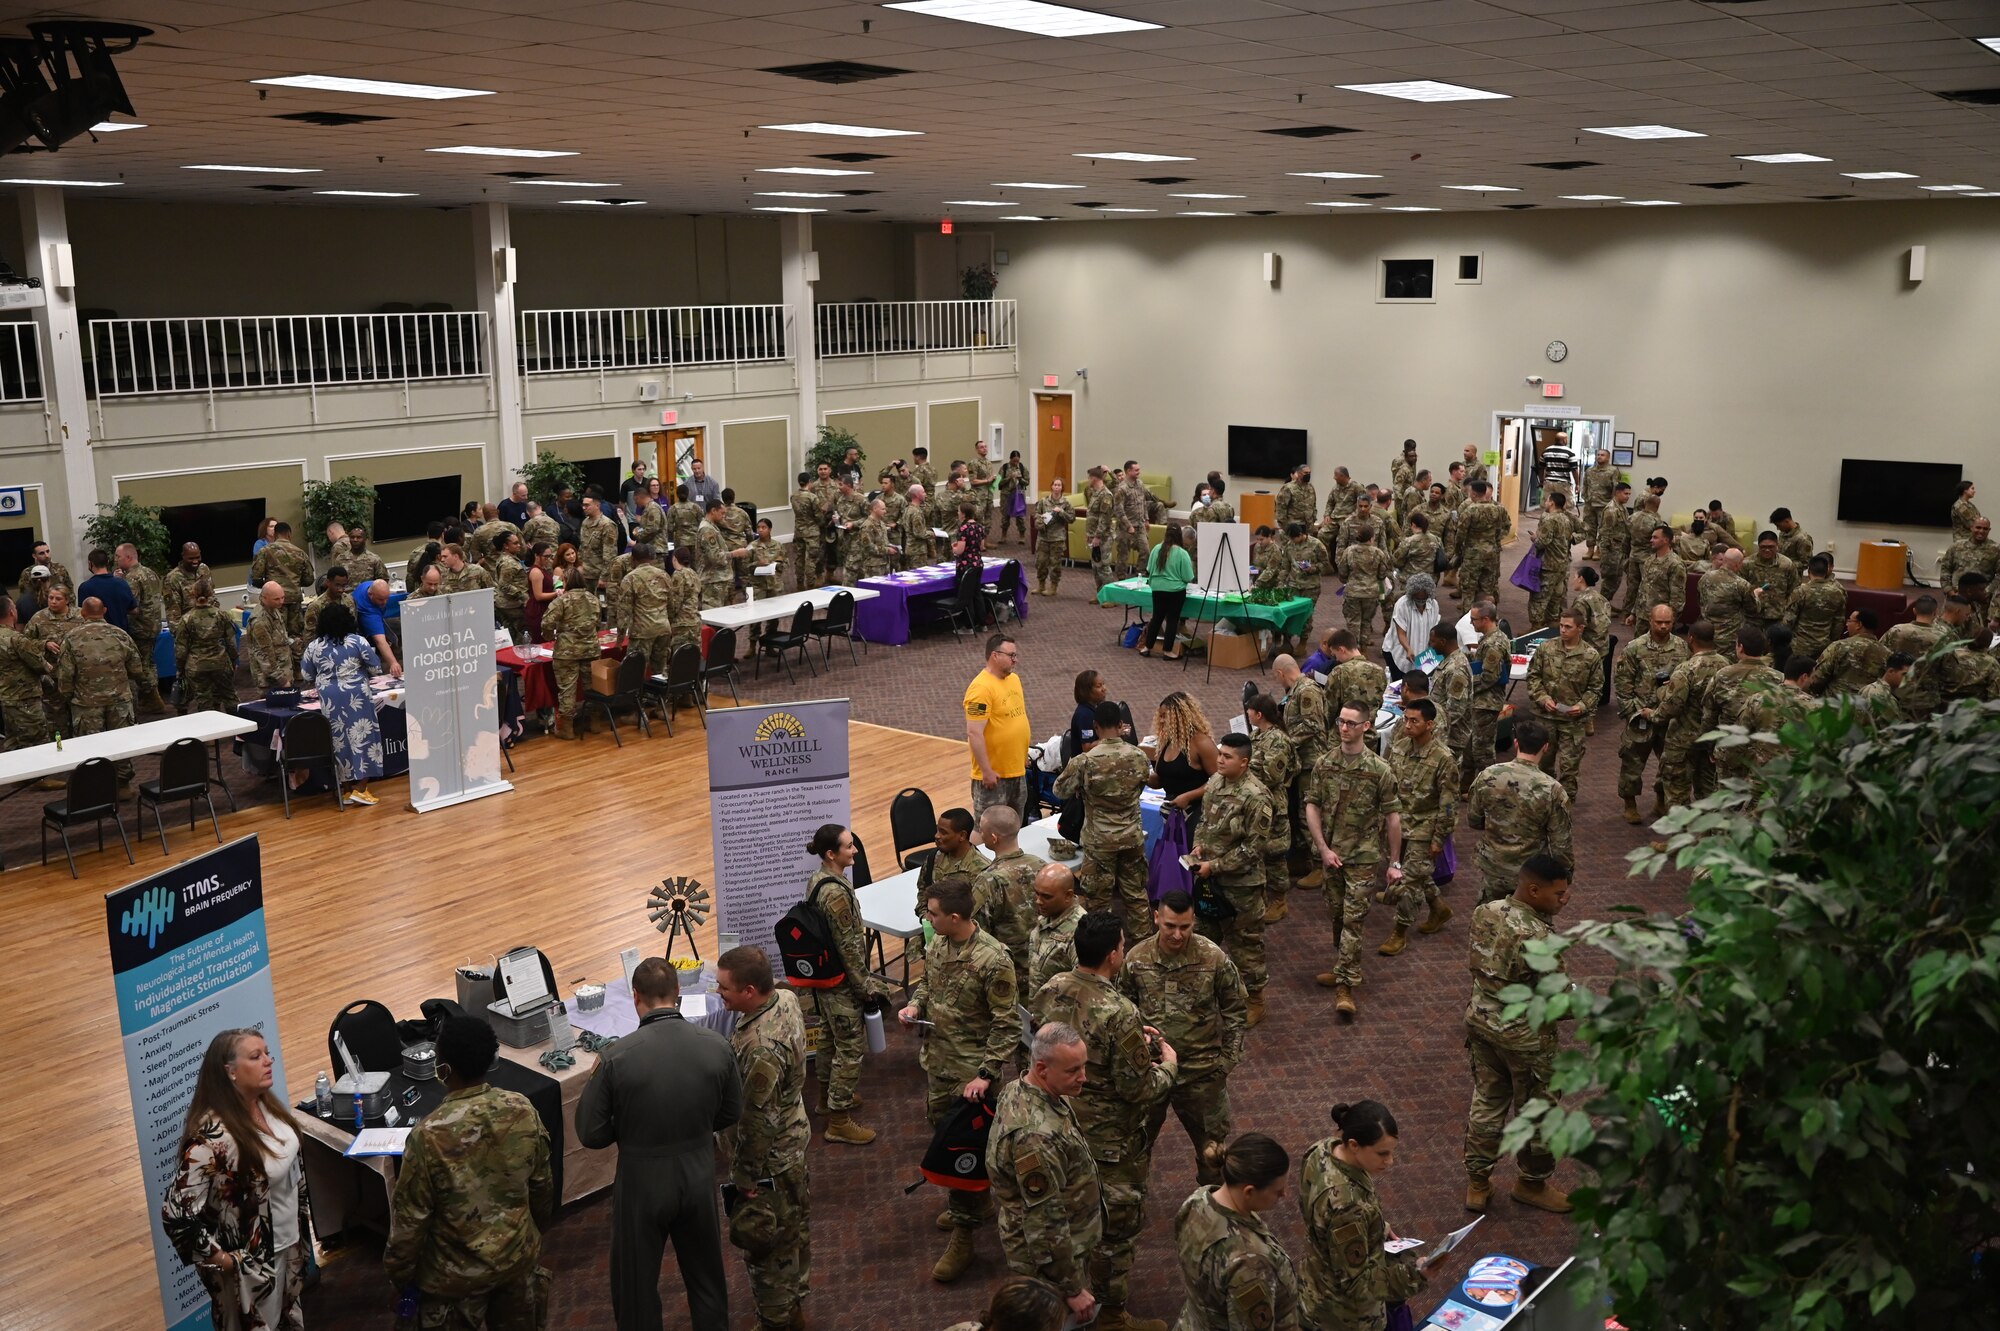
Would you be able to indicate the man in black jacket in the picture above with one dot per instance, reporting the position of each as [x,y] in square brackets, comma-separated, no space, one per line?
[661,1094]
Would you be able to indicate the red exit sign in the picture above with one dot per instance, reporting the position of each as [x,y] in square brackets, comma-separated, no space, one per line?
[670,418]
[1552,390]
[1050,380]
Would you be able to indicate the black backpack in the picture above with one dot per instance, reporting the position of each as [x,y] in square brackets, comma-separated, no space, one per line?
[806,946]
[956,1157]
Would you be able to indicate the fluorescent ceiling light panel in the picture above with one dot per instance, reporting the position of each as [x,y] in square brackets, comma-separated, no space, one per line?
[1132,157]
[980,203]
[774,208]
[1025,217]
[849,131]
[1030,184]
[1780,159]
[368,193]
[1594,198]
[1412,208]
[605,203]
[1878,175]
[1044,20]
[260,170]
[1425,90]
[1990,43]
[1339,204]
[1208,214]
[111,127]
[1208,196]
[1652,203]
[1485,189]
[1949,189]
[470,150]
[1128,210]
[1643,132]
[1982,194]
[798,194]
[809,171]
[1334,175]
[575,184]
[377,87]
[82,184]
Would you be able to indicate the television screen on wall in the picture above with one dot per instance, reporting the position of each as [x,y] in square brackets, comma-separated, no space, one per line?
[1898,494]
[224,529]
[1266,451]
[607,474]
[407,508]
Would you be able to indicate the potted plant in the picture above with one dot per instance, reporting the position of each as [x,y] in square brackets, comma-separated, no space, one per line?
[128,520]
[831,447]
[548,474]
[345,499]
[978,283]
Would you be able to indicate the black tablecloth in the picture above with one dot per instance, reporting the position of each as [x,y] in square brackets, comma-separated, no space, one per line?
[395,723]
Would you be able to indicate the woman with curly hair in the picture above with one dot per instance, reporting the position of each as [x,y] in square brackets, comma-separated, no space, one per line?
[1183,754]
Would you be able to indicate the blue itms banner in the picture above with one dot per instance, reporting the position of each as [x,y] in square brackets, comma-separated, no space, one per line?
[189,960]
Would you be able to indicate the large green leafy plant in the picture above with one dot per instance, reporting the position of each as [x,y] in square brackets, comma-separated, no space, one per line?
[548,474]
[1789,1095]
[831,447]
[345,499]
[127,520]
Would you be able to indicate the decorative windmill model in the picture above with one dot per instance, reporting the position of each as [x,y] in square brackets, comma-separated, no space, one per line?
[676,907]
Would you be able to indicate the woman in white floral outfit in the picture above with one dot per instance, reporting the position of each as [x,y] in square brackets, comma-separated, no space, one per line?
[338,662]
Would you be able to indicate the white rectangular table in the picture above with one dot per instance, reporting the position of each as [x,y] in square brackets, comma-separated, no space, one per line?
[771,608]
[45,760]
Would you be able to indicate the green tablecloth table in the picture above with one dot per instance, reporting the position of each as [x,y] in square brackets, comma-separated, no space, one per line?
[1287,617]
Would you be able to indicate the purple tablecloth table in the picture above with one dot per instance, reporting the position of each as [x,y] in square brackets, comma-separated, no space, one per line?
[917,594]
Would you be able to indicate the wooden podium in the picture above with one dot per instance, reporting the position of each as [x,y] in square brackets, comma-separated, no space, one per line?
[1879,568]
[1259,508]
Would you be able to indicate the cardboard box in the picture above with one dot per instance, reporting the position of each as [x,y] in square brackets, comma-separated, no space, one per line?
[604,675]
[1234,652]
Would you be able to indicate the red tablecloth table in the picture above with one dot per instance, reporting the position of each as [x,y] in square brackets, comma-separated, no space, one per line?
[538,676]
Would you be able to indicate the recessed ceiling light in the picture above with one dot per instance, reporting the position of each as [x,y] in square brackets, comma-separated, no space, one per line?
[1024,217]
[980,203]
[1643,132]
[799,194]
[368,193]
[1949,189]
[1594,198]
[260,170]
[1340,204]
[1425,90]
[809,171]
[774,208]
[1128,210]
[1334,175]
[1878,175]
[111,127]
[1208,214]
[470,150]
[1030,184]
[1044,20]
[1132,157]
[851,131]
[575,184]
[1780,159]
[1485,189]
[379,87]
[78,184]
[1208,196]
[1411,208]
[1652,203]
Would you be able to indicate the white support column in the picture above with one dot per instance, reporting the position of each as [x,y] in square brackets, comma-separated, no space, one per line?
[799,267]
[44,228]
[492,248]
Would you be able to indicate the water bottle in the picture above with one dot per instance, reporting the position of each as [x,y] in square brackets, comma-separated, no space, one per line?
[323,1096]
[360,1116]
[877,1040]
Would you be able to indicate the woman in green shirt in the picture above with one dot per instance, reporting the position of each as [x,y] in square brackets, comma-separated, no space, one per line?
[1168,573]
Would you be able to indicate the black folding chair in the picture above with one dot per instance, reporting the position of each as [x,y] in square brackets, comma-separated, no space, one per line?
[92,796]
[1003,596]
[684,679]
[797,638]
[718,664]
[631,692]
[837,622]
[306,741]
[368,1029]
[183,776]
[970,604]
[912,822]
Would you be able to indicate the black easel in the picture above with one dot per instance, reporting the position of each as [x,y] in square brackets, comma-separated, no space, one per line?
[1215,598]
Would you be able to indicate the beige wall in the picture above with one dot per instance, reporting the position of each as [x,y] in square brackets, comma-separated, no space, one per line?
[277,483]
[1759,345]
[466,461]
[755,461]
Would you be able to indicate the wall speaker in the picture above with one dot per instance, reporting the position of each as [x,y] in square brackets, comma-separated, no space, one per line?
[1916,263]
[1271,267]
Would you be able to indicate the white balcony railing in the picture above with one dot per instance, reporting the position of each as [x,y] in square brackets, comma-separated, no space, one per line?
[882,328]
[134,357]
[666,337]
[20,364]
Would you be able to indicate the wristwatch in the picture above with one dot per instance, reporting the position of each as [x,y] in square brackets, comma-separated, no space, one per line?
[1397,865]
[984,1075]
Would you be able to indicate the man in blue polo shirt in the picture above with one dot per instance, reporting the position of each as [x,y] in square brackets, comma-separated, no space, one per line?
[111,589]
[371,600]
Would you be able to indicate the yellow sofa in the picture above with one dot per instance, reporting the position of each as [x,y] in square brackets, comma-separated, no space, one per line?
[1746,528]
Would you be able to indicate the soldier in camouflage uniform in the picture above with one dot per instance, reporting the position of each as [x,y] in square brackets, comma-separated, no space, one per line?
[1305,564]
[96,671]
[841,1007]
[1236,816]
[1186,987]
[913,531]
[1451,690]
[1052,939]
[683,602]
[736,531]
[1510,1059]
[1426,773]
[1297,501]
[472,1197]
[1745,694]
[1355,681]
[1109,779]
[1120,1091]
[1130,537]
[1365,566]
[205,655]
[808,534]
[33,591]
[1852,663]
[1817,609]
[1639,682]
[1553,539]
[957,856]
[1794,542]
[266,642]
[850,510]
[596,542]
[1685,769]
[1418,551]
[1520,809]
[1565,679]
[1917,639]
[1367,521]
[539,529]
[510,585]
[149,608]
[1482,528]
[1100,516]
[1053,517]
[1614,541]
[177,587]
[570,624]
[1727,600]
[765,551]
[1596,611]
[869,552]
[1598,484]
[353,554]
[981,475]
[24,664]
[1351,808]
[1350,1278]
[337,589]
[712,558]
[1964,513]
[1661,578]
[649,522]
[1639,545]
[1968,670]
[1003,894]
[1972,553]
[639,606]
[1044,1182]
[967,993]
[1774,576]
[1274,761]
[767,1151]
[1340,505]
[1235,1271]
[290,567]
[1492,666]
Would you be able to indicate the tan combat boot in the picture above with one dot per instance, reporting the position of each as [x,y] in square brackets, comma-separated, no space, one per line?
[1398,939]
[842,1128]
[1632,811]
[1328,980]
[1256,1008]
[1439,917]
[1317,878]
[1343,1000]
[1113,1317]
[1659,808]
[1279,908]
[1478,1192]
[1542,1195]
[565,727]
[957,1256]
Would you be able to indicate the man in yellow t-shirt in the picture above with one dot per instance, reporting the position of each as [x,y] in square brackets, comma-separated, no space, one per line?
[996,730]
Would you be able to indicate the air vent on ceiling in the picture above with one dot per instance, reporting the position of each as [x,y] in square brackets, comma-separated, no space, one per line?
[1519,207]
[852,157]
[524,175]
[621,202]
[1379,194]
[858,193]
[329,118]
[1261,212]
[860,210]
[1828,198]
[278,189]
[1098,203]
[1164,180]
[1563,166]
[1720,184]
[1974,96]
[1309,131]
[837,72]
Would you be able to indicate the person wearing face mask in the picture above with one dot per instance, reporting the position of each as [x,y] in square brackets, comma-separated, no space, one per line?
[1297,500]
[1234,1269]
[1350,1279]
